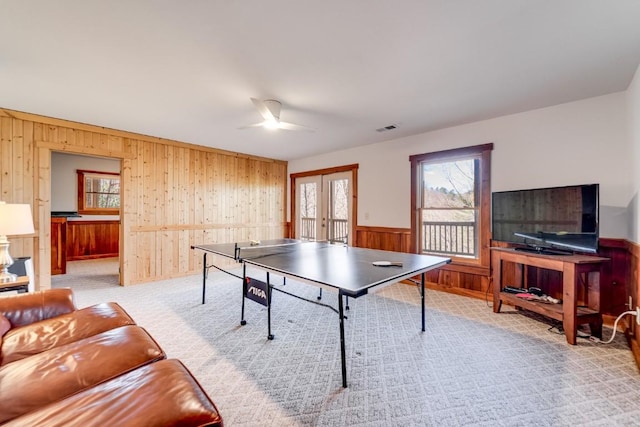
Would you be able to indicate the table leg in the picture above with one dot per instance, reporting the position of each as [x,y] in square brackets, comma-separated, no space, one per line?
[269,334]
[204,275]
[244,292]
[593,299]
[342,345]
[569,289]
[422,298]
[496,272]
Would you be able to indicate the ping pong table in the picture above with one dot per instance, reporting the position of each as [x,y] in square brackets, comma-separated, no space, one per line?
[352,272]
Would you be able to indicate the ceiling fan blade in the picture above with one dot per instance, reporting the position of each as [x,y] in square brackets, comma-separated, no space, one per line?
[291,126]
[255,125]
[269,109]
[264,111]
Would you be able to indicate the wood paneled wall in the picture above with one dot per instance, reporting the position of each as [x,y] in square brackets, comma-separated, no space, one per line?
[173,194]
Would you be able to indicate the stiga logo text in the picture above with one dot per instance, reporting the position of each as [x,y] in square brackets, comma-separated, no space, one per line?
[256,290]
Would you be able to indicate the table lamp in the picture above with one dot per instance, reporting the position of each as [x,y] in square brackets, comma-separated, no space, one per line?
[15,219]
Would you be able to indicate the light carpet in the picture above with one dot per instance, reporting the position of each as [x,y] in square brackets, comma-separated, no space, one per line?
[470,367]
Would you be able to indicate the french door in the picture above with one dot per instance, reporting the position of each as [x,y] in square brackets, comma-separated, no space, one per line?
[324,207]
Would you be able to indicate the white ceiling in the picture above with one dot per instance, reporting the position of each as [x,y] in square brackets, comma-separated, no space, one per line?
[186,70]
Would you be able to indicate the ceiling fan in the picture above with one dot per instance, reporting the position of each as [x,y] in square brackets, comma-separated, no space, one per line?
[269,109]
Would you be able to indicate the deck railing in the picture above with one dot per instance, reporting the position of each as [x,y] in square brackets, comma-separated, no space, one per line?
[449,238]
[307,229]
[338,230]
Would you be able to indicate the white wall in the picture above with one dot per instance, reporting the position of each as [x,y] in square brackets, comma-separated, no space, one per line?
[575,143]
[64,180]
[633,115]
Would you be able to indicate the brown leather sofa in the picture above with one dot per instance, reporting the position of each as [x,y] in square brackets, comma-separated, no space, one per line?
[63,366]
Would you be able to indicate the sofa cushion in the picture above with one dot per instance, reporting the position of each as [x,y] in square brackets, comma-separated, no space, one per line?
[5,325]
[44,378]
[23,309]
[40,336]
[160,394]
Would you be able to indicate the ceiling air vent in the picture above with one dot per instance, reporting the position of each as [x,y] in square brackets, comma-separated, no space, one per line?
[386,128]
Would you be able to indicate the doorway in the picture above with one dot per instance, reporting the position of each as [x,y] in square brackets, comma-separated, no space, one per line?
[85,247]
[323,205]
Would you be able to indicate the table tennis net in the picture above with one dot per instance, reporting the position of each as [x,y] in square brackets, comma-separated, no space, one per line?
[260,251]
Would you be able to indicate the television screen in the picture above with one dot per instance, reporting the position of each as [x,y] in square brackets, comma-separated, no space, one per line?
[558,217]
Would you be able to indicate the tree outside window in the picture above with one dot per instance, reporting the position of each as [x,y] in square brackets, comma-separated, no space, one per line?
[449,209]
[308,211]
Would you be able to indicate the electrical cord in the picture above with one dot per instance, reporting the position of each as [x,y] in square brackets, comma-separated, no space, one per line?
[615,328]
[486,294]
[556,328]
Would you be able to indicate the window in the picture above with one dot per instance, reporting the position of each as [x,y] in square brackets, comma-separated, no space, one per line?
[451,203]
[98,192]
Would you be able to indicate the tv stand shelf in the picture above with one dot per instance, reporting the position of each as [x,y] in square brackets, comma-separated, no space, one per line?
[577,270]
[554,311]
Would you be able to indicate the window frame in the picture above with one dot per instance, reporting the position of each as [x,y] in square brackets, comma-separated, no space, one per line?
[82,209]
[483,154]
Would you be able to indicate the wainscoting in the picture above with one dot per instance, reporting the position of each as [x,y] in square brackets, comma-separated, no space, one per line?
[455,278]
[92,239]
[385,238]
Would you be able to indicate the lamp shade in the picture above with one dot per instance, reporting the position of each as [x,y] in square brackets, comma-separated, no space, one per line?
[15,219]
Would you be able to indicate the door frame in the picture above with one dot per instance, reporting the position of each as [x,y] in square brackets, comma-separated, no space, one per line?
[43,202]
[353,168]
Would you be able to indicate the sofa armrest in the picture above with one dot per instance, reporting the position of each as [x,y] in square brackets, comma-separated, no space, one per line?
[24,309]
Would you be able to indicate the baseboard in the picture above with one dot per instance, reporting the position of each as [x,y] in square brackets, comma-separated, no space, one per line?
[86,257]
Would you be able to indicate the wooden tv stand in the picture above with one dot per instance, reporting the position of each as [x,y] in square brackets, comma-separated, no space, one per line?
[576,270]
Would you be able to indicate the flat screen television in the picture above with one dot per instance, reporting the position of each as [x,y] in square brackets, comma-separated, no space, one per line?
[548,220]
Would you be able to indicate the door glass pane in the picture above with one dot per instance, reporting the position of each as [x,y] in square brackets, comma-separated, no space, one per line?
[338,218]
[308,211]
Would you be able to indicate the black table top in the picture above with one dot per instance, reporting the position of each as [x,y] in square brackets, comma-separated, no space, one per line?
[345,268]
